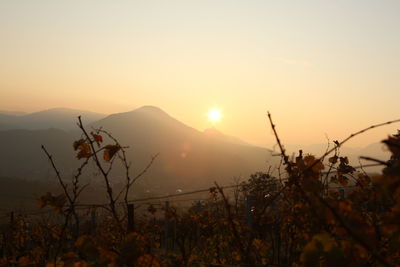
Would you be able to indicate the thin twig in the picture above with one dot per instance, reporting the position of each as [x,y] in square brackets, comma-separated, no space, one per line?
[339,144]
[283,152]
[381,162]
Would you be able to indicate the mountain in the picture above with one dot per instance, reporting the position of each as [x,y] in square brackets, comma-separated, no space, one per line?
[7,121]
[217,135]
[11,112]
[22,155]
[188,158]
[60,118]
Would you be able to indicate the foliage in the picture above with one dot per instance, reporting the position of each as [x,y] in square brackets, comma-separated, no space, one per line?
[299,219]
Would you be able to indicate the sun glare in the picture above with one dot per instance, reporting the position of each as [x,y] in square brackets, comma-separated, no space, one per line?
[214,115]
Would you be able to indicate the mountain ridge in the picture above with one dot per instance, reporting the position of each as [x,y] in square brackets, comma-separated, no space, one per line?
[187,157]
[62,118]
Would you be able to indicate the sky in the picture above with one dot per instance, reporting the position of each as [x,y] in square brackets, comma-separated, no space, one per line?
[324,69]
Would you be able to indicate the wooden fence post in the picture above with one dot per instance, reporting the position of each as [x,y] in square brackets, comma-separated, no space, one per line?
[249,209]
[166,226]
[93,221]
[342,194]
[198,211]
[11,220]
[131,218]
[8,246]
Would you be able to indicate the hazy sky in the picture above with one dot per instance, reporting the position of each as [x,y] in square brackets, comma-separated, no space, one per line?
[320,67]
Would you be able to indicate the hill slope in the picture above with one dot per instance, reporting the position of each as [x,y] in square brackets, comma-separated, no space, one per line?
[187,158]
[60,118]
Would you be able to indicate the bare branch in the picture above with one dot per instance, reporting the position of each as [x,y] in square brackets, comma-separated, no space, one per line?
[283,152]
[381,162]
[60,180]
[339,144]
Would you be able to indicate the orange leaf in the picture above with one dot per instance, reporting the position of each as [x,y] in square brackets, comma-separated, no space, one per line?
[78,143]
[83,154]
[333,159]
[85,151]
[110,151]
[85,147]
[97,138]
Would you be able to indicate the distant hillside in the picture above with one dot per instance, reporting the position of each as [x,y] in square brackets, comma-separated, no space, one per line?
[213,133]
[187,158]
[60,118]
[11,112]
[7,121]
[22,155]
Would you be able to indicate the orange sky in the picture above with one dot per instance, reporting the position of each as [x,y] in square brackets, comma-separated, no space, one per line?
[320,67]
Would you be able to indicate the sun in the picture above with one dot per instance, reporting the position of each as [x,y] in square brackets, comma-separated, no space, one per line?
[214,115]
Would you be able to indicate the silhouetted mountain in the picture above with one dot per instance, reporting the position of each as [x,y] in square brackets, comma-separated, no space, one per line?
[187,158]
[11,112]
[7,121]
[61,118]
[217,135]
[22,155]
